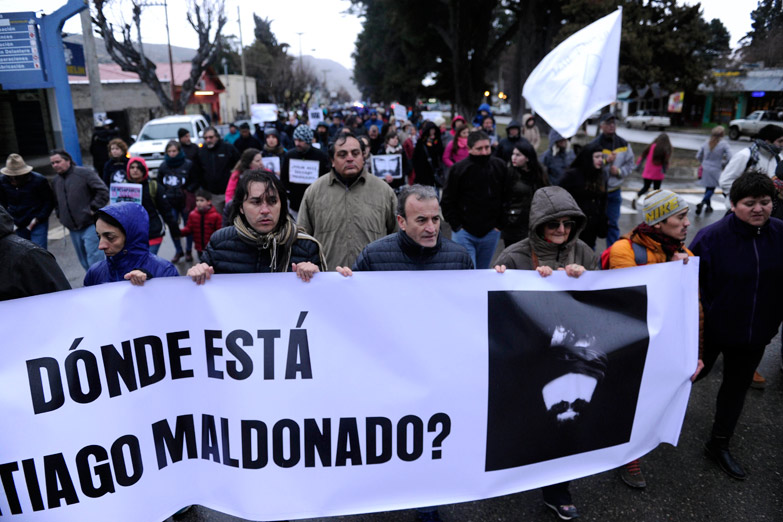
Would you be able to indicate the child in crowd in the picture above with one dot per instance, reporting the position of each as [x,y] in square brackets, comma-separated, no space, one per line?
[202,222]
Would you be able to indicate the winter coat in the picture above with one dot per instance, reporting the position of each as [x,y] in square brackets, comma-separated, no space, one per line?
[531,134]
[242,144]
[345,219]
[587,186]
[740,277]
[549,204]
[738,163]
[453,153]
[507,144]
[25,268]
[622,254]
[624,159]
[33,200]
[296,190]
[201,225]
[151,195]
[651,170]
[135,255]
[400,252]
[114,170]
[173,177]
[712,162]
[557,160]
[191,151]
[79,192]
[478,118]
[213,166]
[427,160]
[228,253]
[520,187]
[474,196]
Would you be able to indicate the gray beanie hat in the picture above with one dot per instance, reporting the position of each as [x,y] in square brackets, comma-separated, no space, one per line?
[661,204]
[304,133]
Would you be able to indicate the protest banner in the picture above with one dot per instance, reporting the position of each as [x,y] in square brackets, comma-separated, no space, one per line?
[315,117]
[272,163]
[261,113]
[391,164]
[304,172]
[119,192]
[277,408]
[578,77]
[400,113]
[431,115]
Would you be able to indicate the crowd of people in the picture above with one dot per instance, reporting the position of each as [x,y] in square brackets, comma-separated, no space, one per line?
[320,207]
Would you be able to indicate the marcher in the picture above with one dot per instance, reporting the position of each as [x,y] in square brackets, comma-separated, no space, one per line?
[262,237]
[658,239]
[190,148]
[713,156]
[654,161]
[474,198]
[79,193]
[272,146]
[174,174]
[558,157]
[202,222]
[762,155]
[115,167]
[618,163]
[321,136]
[506,145]
[212,166]
[376,140]
[337,124]
[123,230]
[553,244]
[246,140]
[151,196]
[303,150]
[457,149]
[586,182]
[740,275]
[25,268]
[27,196]
[525,177]
[99,145]
[233,134]
[250,159]
[392,145]
[428,157]
[530,132]
[483,111]
[488,126]
[348,208]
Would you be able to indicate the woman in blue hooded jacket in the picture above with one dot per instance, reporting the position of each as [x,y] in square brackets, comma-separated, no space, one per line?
[123,235]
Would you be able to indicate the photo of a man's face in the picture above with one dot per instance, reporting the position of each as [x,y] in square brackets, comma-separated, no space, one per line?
[565,370]
[387,164]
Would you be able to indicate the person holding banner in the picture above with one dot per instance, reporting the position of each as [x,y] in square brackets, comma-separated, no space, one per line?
[123,230]
[392,146]
[262,238]
[740,276]
[303,152]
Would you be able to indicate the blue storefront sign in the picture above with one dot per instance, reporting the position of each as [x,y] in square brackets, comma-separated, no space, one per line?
[20,50]
[74,59]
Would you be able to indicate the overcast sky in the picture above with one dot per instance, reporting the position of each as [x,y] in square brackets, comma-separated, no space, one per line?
[328,31]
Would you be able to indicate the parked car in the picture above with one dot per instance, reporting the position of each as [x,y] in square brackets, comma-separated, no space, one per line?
[751,125]
[151,142]
[647,119]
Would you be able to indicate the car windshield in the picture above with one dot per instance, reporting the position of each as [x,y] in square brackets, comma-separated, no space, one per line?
[162,131]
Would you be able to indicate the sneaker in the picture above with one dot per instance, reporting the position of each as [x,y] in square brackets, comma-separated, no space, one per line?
[699,206]
[566,512]
[428,516]
[177,257]
[759,382]
[632,475]
[189,257]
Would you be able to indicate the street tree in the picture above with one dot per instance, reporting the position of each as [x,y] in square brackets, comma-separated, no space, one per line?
[765,40]
[206,17]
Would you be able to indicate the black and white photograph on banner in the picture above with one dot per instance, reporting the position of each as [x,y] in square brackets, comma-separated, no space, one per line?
[272,164]
[563,379]
[387,164]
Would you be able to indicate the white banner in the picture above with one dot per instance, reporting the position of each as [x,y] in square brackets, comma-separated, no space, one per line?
[400,112]
[261,113]
[315,116]
[273,406]
[119,192]
[578,77]
[304,172]
[272,163]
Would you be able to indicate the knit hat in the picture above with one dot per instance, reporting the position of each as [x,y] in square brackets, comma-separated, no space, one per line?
[181,132]
[15,166]
[304,133]
[661,204]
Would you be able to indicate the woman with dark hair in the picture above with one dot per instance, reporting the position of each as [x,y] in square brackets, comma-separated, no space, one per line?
[262,236]
[428,156]
[122,231]
[392,145]
[457,149]
[713,156]
[526,175]
[173,176]
[654,161]
[114,168]
[150,200]
[585,182]
[251,159]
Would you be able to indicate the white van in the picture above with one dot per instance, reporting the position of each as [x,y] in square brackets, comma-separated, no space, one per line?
[151,141]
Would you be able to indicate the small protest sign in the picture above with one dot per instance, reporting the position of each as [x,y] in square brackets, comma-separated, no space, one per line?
[119,192]
[384,164]
[315,117]
[272,163]
[303,172]
[400,112]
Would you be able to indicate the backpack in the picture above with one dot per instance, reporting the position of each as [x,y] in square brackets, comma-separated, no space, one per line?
[639,255]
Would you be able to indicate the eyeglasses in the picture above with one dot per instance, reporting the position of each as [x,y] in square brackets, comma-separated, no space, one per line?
[554,225]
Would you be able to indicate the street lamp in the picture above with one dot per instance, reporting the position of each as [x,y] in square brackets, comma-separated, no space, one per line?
[486,94]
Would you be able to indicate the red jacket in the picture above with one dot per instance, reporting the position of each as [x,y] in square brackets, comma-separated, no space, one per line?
[202,226]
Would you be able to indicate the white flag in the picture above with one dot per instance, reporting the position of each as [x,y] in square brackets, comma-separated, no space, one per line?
[578,77]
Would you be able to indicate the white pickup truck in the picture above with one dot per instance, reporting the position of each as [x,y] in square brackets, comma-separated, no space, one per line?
[647,119]
[751,125]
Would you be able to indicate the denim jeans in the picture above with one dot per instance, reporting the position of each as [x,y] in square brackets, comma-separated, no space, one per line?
[481,249]
[85,242]
[614,200]
[708,192]
[37,235]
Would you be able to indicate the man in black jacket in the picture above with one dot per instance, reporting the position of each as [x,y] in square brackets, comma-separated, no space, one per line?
[304,150]
[246,140]
[213,166]
[188,147]
[506,145]
[473,200]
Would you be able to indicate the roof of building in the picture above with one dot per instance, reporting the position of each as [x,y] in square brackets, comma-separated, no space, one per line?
[113,73]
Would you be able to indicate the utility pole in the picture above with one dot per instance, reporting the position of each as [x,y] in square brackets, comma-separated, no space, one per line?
[245,104]
[300,51]
[93,73]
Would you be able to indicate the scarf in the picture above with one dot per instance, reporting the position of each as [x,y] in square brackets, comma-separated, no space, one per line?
[761,144]
[176,161]
[282,239]
[669,245]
